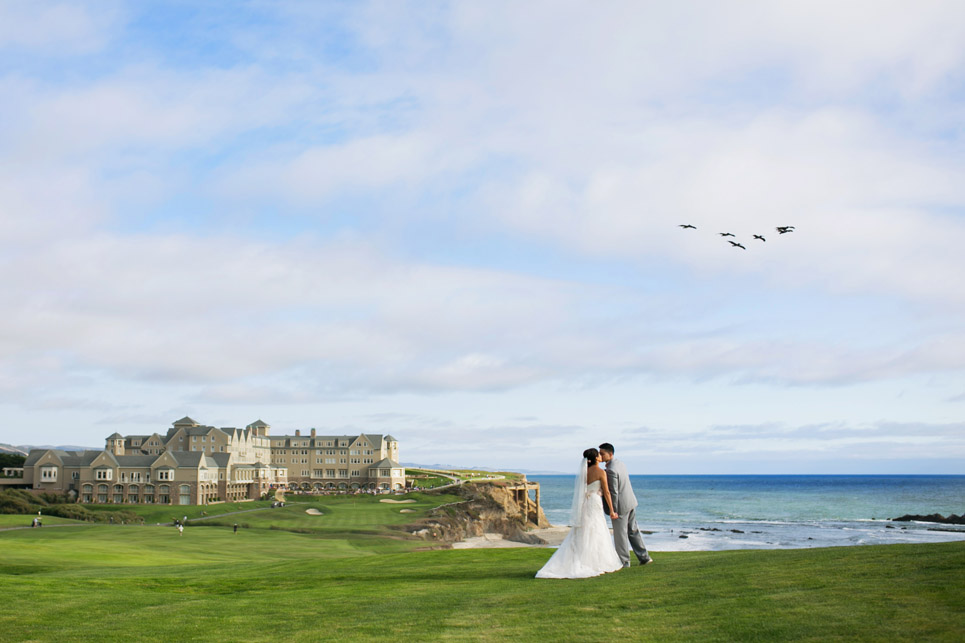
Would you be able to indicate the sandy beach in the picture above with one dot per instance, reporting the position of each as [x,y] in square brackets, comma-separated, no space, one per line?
[552,535]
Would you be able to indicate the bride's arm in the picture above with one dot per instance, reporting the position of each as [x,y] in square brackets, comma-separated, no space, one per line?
[606,497]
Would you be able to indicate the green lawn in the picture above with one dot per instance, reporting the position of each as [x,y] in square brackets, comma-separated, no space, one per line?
[21,520]
[347,573]
[113,582]
[426,479]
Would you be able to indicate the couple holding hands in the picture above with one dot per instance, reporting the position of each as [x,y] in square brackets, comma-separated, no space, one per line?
[588,549]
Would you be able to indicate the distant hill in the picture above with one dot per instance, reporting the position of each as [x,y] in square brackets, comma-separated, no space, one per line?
[24,449]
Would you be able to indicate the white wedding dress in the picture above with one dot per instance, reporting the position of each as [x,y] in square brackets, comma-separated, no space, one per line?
[588,549]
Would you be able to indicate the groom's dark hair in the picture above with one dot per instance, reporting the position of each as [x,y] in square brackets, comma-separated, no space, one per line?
[606,446]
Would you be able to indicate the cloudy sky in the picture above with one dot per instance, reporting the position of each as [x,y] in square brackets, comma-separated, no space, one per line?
[458,223]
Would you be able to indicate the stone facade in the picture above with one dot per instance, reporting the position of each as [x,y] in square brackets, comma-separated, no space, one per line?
[194,464]
[332,462]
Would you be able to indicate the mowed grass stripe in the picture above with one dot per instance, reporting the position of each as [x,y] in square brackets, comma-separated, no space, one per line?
[140,583]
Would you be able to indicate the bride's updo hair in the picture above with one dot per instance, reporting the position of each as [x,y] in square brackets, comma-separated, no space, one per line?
[591,456]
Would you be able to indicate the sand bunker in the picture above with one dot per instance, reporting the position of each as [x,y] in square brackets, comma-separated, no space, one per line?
[314,512]
[397,502]
[406,511]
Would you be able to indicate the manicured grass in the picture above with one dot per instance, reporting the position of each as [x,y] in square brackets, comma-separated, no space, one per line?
[103,582]
[362,514]
[153,514]
[476,474]
[426,479]
[23,520]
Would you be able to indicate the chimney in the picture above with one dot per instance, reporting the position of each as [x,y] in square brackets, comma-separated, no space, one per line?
[313,433]
[298,433]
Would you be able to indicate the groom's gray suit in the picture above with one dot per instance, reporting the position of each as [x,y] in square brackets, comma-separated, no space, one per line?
[626,534]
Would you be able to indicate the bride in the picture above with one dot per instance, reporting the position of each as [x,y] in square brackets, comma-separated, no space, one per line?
[588,548]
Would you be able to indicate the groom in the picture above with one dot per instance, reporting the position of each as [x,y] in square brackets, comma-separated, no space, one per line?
[625,530]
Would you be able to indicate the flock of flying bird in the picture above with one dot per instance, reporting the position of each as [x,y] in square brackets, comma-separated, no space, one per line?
[783,229]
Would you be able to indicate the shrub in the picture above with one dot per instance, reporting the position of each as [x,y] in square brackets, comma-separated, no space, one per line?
[72,511]
[13,505]
[52,498]
[19,501]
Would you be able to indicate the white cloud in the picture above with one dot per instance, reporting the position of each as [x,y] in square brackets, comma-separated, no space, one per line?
[56,28]
[519,172]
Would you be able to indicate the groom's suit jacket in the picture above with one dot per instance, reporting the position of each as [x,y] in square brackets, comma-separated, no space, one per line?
[621,492]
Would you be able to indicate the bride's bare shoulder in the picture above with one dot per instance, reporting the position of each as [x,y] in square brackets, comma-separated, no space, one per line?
[594,474]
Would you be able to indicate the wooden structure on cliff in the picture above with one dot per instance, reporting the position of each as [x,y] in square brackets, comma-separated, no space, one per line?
[529,506]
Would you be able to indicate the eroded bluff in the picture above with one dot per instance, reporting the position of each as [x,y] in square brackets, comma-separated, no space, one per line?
[486,508]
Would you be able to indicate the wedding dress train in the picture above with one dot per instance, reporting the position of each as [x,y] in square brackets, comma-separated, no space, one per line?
[588,548]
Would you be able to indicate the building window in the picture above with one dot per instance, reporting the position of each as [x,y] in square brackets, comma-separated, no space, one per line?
[48,474]
[104,474]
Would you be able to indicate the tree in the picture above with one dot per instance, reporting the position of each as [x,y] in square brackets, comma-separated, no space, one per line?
[12,460]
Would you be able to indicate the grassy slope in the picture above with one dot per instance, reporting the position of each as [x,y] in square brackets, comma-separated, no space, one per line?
[23,520]
[100,582]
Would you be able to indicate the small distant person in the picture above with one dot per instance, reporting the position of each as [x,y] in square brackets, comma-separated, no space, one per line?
[180,529]
[236,528]
[626,534]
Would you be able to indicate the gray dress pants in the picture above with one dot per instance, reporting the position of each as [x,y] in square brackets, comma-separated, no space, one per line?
[626,534]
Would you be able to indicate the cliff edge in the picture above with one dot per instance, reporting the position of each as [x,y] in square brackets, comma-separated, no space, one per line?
[488,507]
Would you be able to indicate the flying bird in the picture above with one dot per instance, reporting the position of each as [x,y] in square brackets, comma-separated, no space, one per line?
[757,236]
[735,244]
[785,228]
[687,225]
[725,234]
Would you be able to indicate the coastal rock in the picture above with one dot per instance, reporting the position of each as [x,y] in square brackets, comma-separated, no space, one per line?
[487,508]
[521,536]
[952,519]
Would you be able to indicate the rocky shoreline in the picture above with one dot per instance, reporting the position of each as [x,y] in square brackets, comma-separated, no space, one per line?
[488,510]
[951,519]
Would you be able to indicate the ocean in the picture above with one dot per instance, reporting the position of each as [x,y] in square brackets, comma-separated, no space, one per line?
[687,513]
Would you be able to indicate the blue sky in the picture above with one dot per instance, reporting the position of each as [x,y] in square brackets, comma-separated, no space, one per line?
[458,223]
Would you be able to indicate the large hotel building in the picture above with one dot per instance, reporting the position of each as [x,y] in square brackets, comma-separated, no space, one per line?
[195,464]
